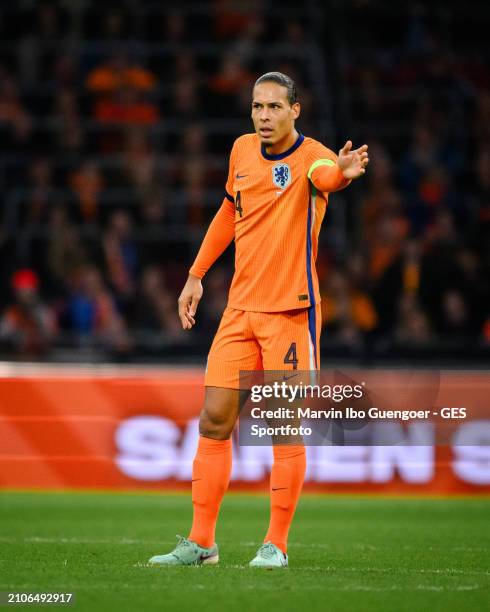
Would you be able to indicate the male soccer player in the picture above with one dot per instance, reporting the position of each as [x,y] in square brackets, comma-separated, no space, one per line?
[275,200]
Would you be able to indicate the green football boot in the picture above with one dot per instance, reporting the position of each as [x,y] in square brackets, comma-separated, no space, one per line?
[187,552]
[269,556]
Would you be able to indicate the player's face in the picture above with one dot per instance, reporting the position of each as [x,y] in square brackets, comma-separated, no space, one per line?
[273,116]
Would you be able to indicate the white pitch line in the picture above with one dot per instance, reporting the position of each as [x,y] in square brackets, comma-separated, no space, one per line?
[337,547]
[332,549]
[337,570]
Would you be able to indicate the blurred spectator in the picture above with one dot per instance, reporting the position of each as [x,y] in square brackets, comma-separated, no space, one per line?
[425,152]
[192,173]
[194,193]
[347,311]
[456,323]
[27,326]
[386,243]
[64,251]
[185,66]
[121,91]
[87,183]
[15,122]
[399,285]
[155,310]
[121,255]
[381,198]
[140,160]
[413,326]
[91,313]
[175,27]
[126,106]
[234,16]
[152,212]
[44,26]
[231,77]
[185,98]
[228,83]
[114,23]
[70,137]
[118,73]
[41,191]
[294,33]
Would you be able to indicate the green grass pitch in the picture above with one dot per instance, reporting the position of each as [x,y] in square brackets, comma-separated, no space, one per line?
[346,553]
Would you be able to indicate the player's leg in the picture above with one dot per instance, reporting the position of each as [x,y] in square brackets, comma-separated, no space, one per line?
[211,471]
[289,341]
[212,464]
[232,350]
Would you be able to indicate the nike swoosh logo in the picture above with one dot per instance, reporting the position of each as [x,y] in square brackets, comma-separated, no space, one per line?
[279,488]
[196,479]
[239,176]
[207,555]
[288,377]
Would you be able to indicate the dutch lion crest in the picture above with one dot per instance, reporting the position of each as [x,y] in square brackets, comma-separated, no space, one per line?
[281,175]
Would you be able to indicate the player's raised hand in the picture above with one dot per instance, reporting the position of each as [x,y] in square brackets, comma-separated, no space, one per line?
[353,162]
[188,301]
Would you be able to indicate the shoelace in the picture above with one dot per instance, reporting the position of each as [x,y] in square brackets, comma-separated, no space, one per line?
[182,543]
[267,551]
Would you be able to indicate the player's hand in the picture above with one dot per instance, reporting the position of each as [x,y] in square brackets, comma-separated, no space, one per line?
[188,301]
[353,162]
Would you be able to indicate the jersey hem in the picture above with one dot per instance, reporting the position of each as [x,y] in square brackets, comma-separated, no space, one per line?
[308,304]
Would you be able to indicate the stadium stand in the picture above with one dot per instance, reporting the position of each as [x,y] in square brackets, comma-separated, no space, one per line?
[116,120]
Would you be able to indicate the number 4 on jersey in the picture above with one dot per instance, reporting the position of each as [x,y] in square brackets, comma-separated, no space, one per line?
[291,356]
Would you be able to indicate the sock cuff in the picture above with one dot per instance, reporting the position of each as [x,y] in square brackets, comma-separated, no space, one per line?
[212,446]
[286,451]
[281,545]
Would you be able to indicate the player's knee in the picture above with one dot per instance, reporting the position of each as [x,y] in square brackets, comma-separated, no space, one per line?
[215,422]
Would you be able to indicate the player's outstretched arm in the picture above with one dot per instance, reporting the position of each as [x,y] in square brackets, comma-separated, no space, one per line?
[353,162]
[188,301]
[334,172]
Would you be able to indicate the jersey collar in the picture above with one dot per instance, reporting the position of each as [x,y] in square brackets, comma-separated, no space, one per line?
[292,149]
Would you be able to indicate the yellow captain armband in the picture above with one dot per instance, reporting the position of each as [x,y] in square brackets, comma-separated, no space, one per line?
[320,162]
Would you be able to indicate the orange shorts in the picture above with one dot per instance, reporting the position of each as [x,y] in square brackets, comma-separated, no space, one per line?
[263,341]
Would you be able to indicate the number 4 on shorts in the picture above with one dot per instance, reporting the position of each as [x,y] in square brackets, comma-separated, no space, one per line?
[291,356]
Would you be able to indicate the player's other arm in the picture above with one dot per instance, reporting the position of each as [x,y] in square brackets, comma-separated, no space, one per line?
[334,173]
[220,233]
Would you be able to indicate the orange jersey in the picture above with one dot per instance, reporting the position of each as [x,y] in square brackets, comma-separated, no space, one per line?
[278,213]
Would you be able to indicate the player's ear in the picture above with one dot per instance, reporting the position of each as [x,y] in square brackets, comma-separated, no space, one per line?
[296,108]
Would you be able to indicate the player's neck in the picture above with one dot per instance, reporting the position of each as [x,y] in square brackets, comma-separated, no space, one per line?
[283,145]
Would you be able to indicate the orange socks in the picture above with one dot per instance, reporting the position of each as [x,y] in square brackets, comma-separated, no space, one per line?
[287,475]
[210,477]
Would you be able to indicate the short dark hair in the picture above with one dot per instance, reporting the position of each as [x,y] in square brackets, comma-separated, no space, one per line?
[281,79]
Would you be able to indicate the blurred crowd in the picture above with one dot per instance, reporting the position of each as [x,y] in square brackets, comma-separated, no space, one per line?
[116,121]
[418,91]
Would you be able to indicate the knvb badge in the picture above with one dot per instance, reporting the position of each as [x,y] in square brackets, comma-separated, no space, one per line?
[281,175]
